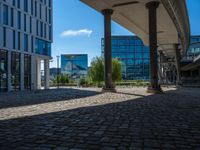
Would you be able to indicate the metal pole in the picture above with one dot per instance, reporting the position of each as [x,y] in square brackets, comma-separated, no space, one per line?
[58,58]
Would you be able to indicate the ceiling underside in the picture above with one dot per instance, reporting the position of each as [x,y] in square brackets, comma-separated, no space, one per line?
[134,17]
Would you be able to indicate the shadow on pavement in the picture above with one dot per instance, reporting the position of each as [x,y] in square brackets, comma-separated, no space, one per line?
[16,99]
[151,122]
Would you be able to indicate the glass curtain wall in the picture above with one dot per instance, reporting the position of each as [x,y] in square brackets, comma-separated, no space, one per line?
[27,72]
[15,71]
[133,55]
[3,70]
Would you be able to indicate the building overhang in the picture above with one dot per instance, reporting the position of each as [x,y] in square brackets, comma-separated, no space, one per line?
[172,21]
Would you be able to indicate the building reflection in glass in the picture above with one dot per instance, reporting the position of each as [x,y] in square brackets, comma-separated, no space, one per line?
[74,65]
[3,70]
[133,55]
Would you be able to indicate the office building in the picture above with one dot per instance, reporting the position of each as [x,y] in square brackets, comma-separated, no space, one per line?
[133,55]
[25,40]
[74,65]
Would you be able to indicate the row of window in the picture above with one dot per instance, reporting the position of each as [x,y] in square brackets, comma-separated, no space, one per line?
[128,41]
[39,24]
[33,4]
[15,71]
[41,47]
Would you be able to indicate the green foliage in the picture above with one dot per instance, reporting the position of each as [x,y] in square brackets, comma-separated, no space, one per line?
[96,72]
[61,79]
[116,70]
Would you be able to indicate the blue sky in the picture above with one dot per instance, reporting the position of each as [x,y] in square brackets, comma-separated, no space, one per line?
[78,28]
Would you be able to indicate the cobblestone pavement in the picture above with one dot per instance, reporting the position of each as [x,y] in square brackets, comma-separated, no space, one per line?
[78,119]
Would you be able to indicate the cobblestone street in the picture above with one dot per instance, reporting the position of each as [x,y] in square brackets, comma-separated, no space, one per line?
[85,118]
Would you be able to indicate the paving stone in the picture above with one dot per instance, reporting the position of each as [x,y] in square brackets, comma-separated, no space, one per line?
[85,118]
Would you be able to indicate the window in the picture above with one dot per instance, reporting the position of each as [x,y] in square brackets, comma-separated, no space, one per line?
[27,72]
[37,26]
[15,71]
[41,29]
[12,17]
[26,5]
[32,43]
[26,42]
[40,11]
[13,39]
[42,47]
[3,72]
[19,40]
[49,16]
[49,3]
[31,7]
[13,2]
[46,17]
[4,36]
[49,32]
[19,19]
[18,4]
[5,14]
[30,25]
[35,8]
[24,22]
[45,31]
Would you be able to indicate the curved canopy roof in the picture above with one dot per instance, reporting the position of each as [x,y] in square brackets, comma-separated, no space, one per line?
[172,21]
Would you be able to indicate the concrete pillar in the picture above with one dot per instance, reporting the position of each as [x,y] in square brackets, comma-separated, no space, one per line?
[154,86]
[38,73]
[108,50]
[9,71]
[22,72]
[178,65]
[46,73]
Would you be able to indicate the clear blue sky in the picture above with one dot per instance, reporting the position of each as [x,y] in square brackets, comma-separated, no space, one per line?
[78,29]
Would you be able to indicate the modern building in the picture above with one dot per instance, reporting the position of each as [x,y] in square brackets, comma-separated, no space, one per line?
[191,63]
[74,65]
[25,40]
[133,55]
[54,72]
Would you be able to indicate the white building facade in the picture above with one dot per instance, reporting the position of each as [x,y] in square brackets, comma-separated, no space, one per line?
[25,42]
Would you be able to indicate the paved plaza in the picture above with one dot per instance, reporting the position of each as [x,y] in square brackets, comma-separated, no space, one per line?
[76,119]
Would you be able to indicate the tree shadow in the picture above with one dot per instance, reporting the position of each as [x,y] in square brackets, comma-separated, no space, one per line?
[152,122]
[17,99]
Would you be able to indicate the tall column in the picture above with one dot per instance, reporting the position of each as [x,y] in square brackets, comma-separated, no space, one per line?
[22,72]
[9,71]
[38,61]
[46,74]
[154,86]
[107,50]
[178,65]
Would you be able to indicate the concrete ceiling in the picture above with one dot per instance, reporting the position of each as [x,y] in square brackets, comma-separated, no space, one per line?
[134,17]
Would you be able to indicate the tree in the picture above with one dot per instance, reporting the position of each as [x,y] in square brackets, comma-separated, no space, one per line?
[61,79]
[116,70]
[97,70]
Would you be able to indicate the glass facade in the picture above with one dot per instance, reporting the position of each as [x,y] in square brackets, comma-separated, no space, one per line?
[3,70]
[194,49]
[27,72]
[25,32]
[133,55]
[74,65]
[15,71]
[42,47]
